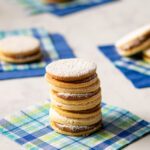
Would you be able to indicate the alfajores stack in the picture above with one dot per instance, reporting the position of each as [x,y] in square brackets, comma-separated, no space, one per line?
[75,97]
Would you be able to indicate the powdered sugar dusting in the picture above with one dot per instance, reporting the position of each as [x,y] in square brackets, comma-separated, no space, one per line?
[78,96]
[75,128]
[75,67]
[133,35]
[18,44]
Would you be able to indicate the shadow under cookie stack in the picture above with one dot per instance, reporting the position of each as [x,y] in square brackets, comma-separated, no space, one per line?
[75,97]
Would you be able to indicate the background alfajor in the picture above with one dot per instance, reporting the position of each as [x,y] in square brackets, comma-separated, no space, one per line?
[19,49]
[134,42]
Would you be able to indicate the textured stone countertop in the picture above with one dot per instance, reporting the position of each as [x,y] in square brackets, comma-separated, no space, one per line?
[84,31]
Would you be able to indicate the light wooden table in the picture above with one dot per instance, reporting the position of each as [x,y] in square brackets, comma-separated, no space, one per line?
[84,31]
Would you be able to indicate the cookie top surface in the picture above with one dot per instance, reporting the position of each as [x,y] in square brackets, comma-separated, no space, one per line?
[133,35]
[71,69]
[15,45]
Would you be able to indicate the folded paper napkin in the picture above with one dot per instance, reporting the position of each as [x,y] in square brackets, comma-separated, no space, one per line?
[30,128]
[61,9]
[53,47]
[137,71]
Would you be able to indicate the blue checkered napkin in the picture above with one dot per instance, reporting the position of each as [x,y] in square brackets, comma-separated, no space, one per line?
[30,128]
[36,6]
[53,47]
[137,71]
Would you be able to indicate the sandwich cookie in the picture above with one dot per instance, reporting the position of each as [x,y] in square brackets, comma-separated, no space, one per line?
[71,69]
[72,84]
[134,42]
[75,130]
[95,86]
[75,97]
[146,55]
[19,49]
[60,118]
[76,105]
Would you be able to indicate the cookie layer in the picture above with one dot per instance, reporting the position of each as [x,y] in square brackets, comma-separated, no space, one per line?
[134,42]
[75,101]
[72,84]
[19,46]
[87,89]
[75,130]
[71,69]
[86,106]
[25,59]
[59,118]
[78,114]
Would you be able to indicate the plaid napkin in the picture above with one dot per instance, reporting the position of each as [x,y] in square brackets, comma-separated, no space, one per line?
[36,6]
[137,71]
[53,47]
[30,128]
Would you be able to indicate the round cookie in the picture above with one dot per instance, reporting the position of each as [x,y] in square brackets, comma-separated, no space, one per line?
[19,49]
[72,84]
[87,89]
[79,114]
[74,101]
[71,69]
[86,106]
[59,118]
[134,42]
[146,55]
[75,130]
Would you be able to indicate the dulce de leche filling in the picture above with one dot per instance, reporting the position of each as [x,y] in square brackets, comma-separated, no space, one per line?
[71,96]
[136,42]
[77,81]
[76,129]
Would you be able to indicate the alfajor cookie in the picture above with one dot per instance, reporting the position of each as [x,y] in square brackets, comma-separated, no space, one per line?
[19,49]
[75,97]
[71,69]
[146,55]
[72,84]
[75,130]
[134,42]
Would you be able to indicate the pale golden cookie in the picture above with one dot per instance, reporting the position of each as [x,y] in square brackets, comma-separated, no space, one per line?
[75,99]
[75,130]
[134,42]
[76,107]
[78,114]
[72,84]
[19,49]
[87,89]
[59,118]
[71,69]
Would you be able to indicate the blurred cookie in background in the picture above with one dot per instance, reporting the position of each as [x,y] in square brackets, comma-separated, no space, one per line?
[20,49]
[134,42]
